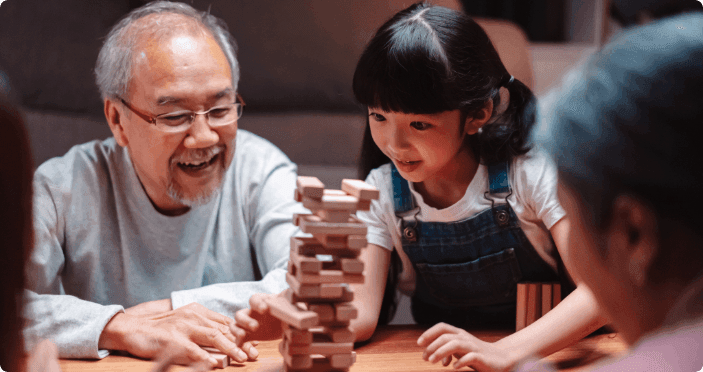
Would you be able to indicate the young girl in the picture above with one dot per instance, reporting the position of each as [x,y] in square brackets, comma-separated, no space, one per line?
[464,203]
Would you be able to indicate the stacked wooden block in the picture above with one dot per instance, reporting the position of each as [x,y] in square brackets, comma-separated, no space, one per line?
[316,310]
[534,300]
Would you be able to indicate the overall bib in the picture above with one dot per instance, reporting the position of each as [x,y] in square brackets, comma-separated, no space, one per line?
[467,271]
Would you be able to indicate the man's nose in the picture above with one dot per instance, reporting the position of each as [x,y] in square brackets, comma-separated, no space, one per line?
[200,134]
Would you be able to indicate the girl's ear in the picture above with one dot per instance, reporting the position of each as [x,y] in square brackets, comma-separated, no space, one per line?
[114,119]
[634,236]
[479,119]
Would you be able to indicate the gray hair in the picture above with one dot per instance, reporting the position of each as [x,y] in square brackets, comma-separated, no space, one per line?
[627,121]
[113,70]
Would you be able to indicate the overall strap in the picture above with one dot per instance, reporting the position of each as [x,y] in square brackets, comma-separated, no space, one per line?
[402,198]
[498,182]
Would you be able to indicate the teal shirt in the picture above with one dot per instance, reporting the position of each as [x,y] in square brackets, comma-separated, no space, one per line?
[101,246]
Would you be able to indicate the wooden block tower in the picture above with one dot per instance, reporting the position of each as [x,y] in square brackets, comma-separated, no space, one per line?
[316,310]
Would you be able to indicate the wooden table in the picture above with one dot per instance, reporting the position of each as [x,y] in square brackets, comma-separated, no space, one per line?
[392,348]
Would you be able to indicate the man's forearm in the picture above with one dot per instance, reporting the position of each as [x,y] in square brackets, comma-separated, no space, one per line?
[74,325]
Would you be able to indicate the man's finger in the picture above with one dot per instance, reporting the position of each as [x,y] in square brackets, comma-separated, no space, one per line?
[257,302]
[244,320]
[250,350]
[206,336]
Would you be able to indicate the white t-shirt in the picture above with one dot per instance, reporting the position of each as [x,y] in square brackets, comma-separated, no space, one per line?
[533,179]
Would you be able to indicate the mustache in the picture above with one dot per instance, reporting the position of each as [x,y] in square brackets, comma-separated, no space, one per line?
[197,155]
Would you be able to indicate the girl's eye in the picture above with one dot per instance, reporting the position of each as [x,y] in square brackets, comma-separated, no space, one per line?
[419,125]
[377,117]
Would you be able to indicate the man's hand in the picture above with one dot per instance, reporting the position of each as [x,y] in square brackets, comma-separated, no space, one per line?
[43,358]
[184,330]
[150,308]
[257,321]
[443,341]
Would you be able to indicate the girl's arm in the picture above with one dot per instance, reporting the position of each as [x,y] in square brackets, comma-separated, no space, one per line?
[368,296]
[574,318]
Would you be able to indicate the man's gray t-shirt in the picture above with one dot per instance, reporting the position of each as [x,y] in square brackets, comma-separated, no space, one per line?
[101,246]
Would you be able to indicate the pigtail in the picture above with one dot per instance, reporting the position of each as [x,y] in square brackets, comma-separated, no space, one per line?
[507,137]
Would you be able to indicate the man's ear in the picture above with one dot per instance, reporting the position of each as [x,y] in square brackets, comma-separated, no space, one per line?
[479,118]
[114,119]
[635,232]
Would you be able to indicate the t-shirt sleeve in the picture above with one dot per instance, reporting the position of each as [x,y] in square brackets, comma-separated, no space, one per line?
[377,219]
[537,174]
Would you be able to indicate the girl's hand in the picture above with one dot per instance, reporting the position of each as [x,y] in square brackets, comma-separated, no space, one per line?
[257,320]
[443,341]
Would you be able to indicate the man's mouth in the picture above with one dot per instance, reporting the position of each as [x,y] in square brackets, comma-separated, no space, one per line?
[200,160]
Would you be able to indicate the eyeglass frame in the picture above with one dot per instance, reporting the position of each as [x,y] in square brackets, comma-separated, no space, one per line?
[193,114]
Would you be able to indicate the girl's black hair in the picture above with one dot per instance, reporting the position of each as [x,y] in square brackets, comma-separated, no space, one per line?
[429,59]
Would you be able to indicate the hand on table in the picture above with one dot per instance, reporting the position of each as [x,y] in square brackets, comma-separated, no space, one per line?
[43,358]
[443,341]
[184,330]
[257,320]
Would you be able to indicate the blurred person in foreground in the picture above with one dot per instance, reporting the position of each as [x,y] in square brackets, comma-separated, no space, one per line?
[623,130]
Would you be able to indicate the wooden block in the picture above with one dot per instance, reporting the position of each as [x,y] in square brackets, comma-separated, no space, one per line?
[328,277]
[305,264]
[320,363]
[339,334]
[324,348]
[356,241]
[332,241]
[546,298]
[534,303]
[556,294]
[521,316]
[336,324]
[310,187]
[346,296]
[297,336]
[351,266]
[305,246]
[312,224]
[333,215]
[360,189]
[364,205]
[222,359]
[291,314]
[341,360]
[325,312]
[305,291]
[297,196]
[297,218]
[300,361]
[345,311]
[335,200]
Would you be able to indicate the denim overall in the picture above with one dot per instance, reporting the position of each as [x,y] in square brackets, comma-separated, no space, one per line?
[467,271]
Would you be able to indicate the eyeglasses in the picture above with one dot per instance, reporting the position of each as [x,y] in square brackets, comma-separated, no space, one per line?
[180,121]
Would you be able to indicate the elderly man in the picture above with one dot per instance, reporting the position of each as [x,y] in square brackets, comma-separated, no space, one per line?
[165,219]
